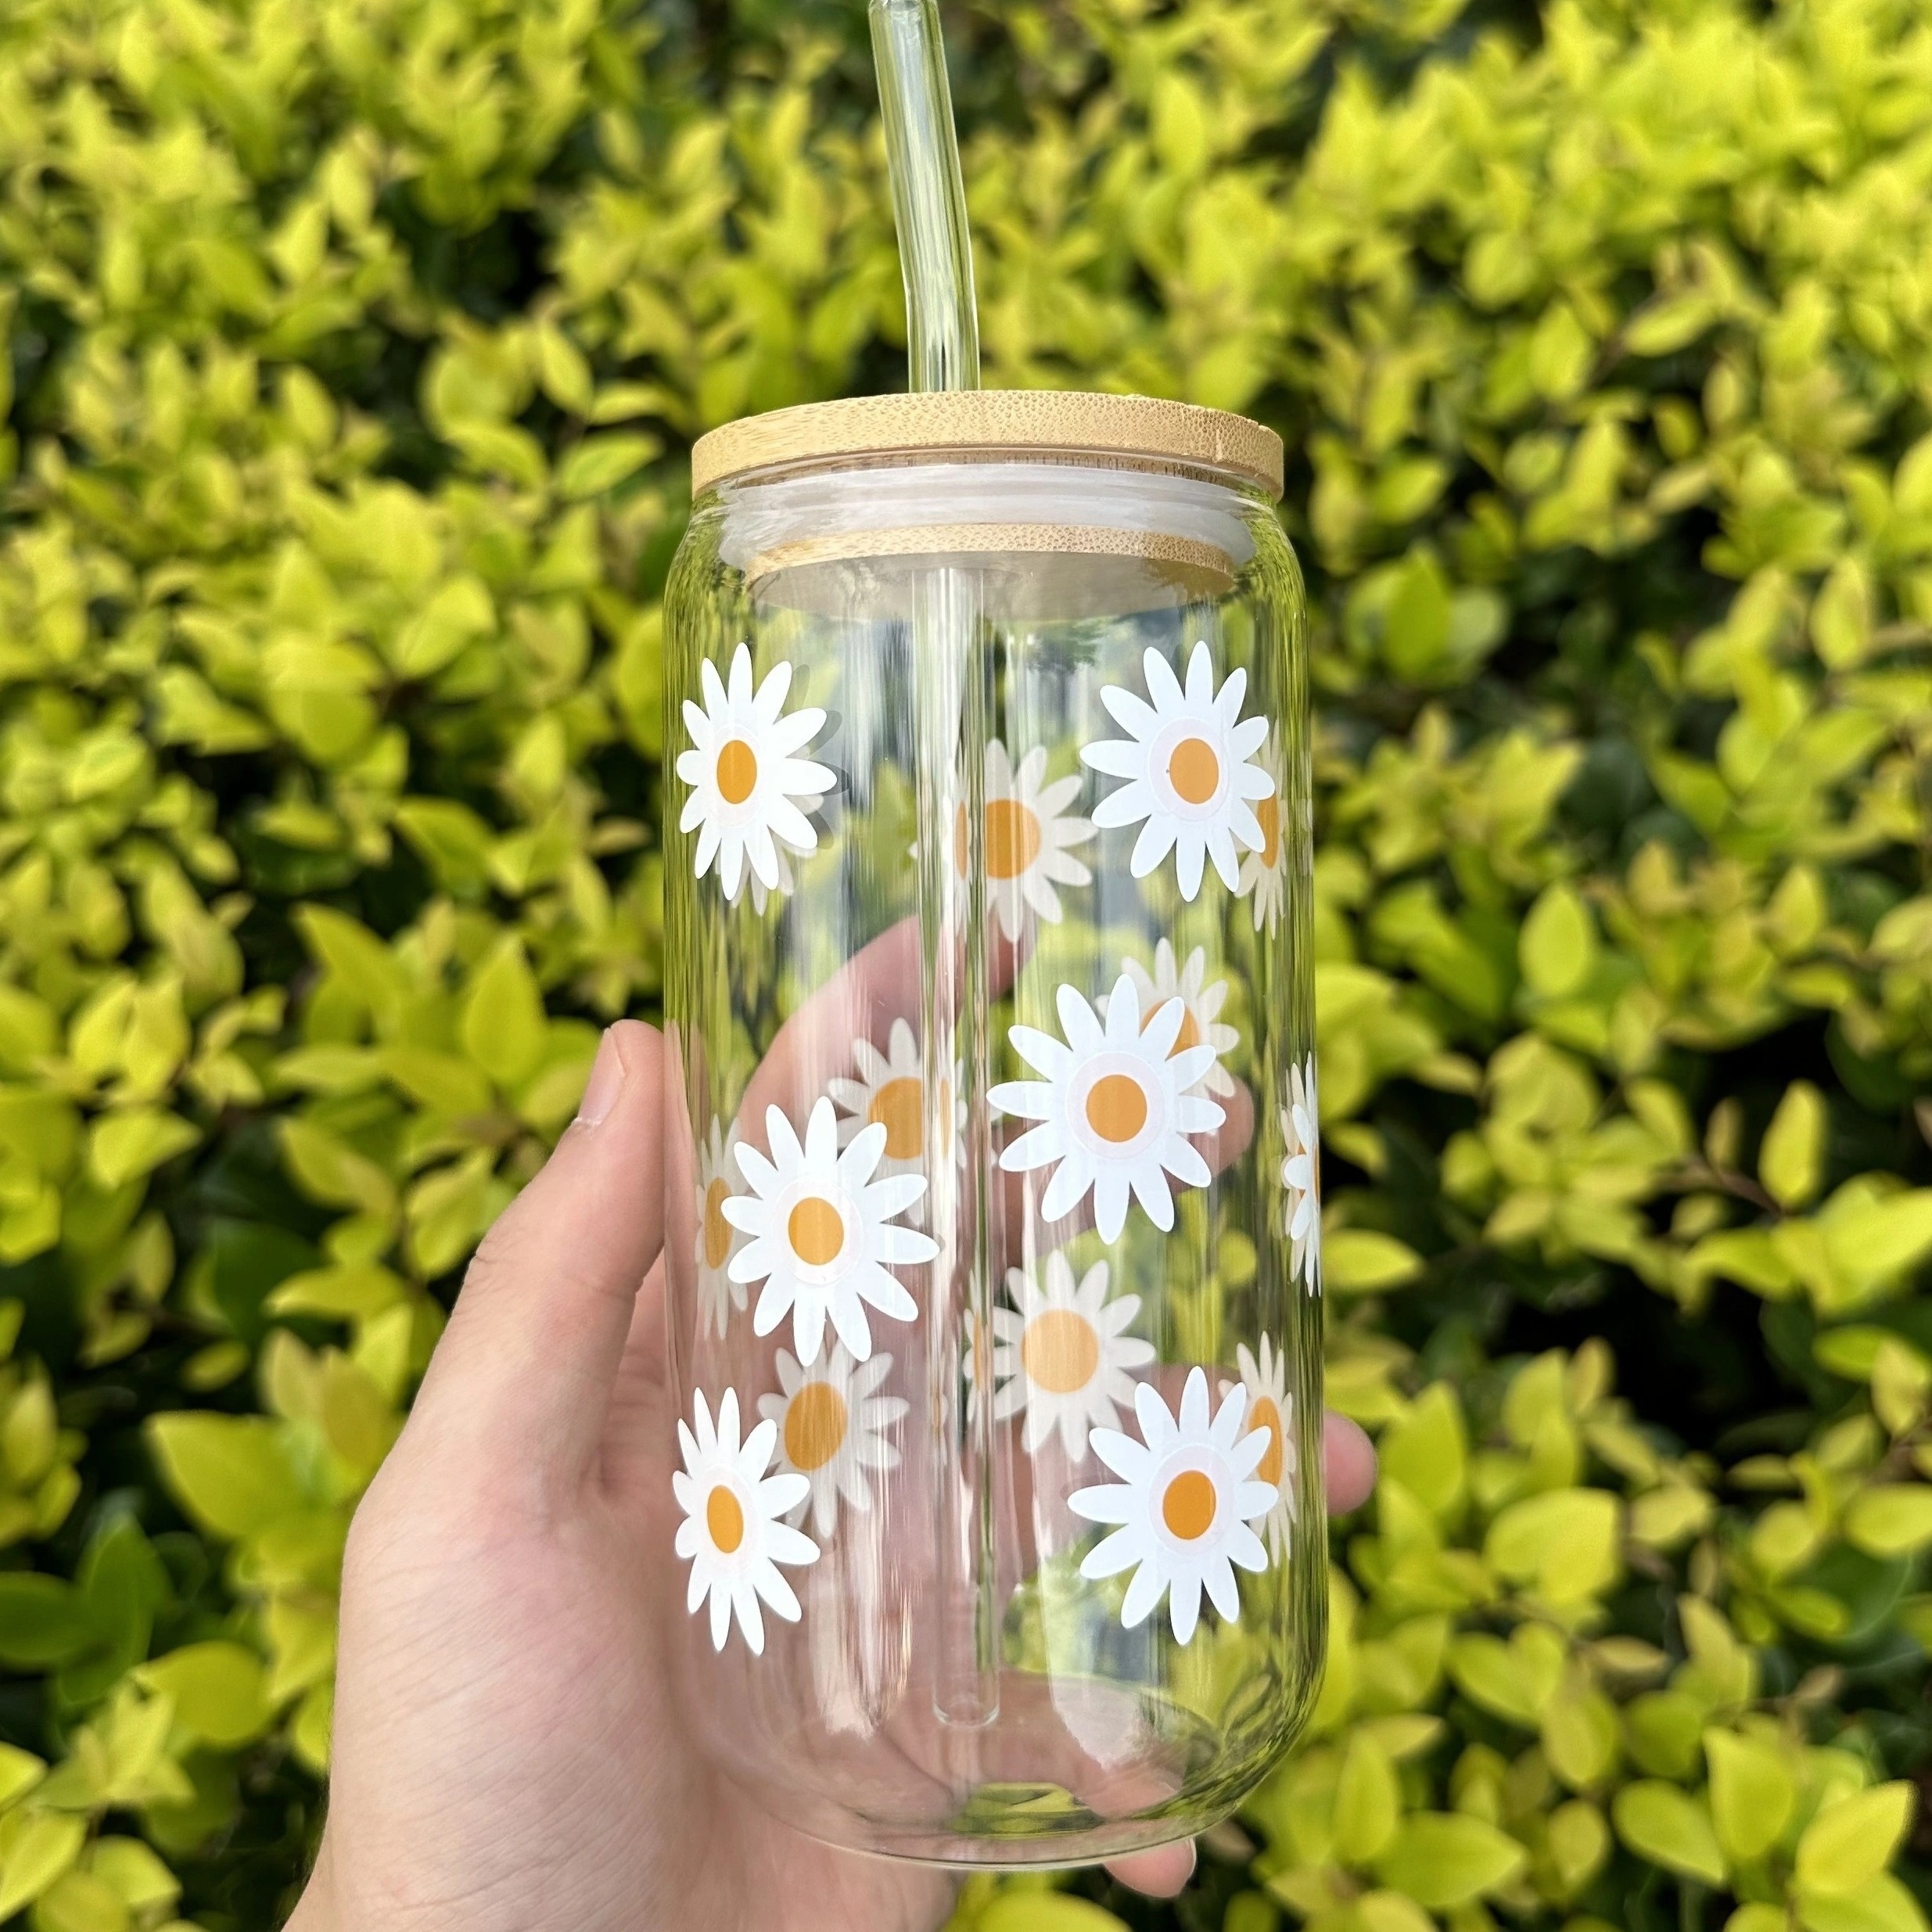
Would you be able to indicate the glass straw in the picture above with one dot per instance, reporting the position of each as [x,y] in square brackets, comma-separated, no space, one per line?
[935,254]
[949,708]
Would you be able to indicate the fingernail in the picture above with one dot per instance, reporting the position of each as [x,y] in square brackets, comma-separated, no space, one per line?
[606,1083]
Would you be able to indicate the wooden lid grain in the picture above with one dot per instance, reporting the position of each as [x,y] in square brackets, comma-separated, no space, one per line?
[1135,430]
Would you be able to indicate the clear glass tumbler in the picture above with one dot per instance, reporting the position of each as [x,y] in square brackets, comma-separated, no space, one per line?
[994,1226]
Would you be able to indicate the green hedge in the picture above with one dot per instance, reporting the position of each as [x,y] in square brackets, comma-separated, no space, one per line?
[354,349]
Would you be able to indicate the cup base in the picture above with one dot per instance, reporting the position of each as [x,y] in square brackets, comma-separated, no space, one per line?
[1163,1773]
[1009,1828]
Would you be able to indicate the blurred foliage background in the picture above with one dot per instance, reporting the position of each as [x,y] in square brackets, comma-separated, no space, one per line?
[353,350]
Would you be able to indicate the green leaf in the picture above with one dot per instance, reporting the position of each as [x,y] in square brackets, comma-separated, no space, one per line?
[1666,324]
[1873,1241]
[1426,1450]
[20,1772]
[1579,1735]
[1564,1541]
[1445,1859]
[601,462]
[78,1902]
[1378,1912]
[28,1028]
[249,1259]
[138,1877]
[1358,1261]
[1850,1351]
[1368,1802]
[1791,1161]
[350,1293]
[330,1171]
[561,370]
[1496,1675]
[1578,1843]
[1851,1841]
[503,1024]
[1841,615]
[1748,1256]
[123,1585]
[458,611]
[1670,1828]
[1505,1679]
[309,1729]
[220,1691]
[39,1620]
[502,449]
[367,970]
[1558,950]
[1882,1905]
[452,839]
[47,1844]
[1890,1519]
[1416,621]
[1561,353]
[445,1081]
[1752,1792]
[124,1146]
[229,1473]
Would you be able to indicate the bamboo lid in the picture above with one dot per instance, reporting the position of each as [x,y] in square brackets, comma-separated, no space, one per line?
[1137,431]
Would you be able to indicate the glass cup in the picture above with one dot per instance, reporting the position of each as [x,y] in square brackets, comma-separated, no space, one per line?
[993,1220]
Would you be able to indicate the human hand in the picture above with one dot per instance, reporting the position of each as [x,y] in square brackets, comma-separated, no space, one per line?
[508,1750]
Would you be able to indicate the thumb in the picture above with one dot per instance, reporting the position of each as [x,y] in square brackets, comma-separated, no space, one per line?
[523,1376]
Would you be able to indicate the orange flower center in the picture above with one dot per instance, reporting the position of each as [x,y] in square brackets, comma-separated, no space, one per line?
[1266,1415]
[1193,770]
[817,1231]
[814,1426]
[1012,838]
[1267,811]
[1187,1506]
[1060,1351]
[897,1105]
[737,771]
[717,1229]
[1116,1108]
[1190,1033]
[724,1518]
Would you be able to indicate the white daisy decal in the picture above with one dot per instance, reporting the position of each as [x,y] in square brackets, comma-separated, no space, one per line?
[1063,1355]
[1302,1176]
[732,1535]
[890,1092]
[1029,838]
[1203,1003]
[1265,873]
[717,1240]
[832,1423]
[1187,1496]
[1115,1108]
[823,1234]
[763,894]
[745,777]
[1187,758]
[1271,1412]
